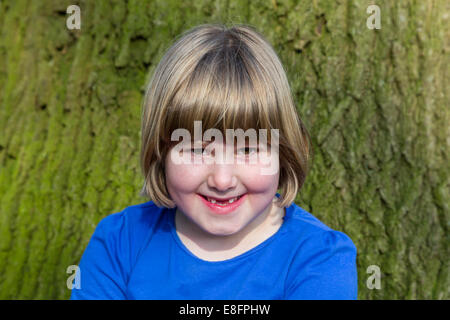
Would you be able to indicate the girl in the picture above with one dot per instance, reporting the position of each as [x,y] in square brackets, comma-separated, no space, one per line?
[219,229]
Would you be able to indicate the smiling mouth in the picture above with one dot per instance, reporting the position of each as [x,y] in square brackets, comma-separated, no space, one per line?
[220,202]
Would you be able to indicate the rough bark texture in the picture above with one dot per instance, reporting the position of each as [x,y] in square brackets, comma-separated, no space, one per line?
[374,101]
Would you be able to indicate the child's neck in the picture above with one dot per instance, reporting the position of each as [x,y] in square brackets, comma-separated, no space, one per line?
[216,248]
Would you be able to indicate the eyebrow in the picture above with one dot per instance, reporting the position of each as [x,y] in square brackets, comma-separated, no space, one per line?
[206,142]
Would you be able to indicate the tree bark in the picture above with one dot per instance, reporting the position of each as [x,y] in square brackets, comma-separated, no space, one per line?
[374,101]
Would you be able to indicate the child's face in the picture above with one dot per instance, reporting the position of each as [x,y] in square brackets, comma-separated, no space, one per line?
[187,182]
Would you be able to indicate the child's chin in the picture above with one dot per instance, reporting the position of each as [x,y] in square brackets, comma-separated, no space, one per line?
[222,232]
[227,234]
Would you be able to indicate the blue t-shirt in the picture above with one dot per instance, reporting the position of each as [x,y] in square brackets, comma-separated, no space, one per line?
[137,254]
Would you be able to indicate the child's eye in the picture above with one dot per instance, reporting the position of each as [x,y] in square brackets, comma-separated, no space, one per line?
[198,151]
[249,150]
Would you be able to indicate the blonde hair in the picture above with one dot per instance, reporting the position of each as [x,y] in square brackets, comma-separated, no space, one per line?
[227,78]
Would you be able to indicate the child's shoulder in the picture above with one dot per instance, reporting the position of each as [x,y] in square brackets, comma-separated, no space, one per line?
[320,253]
[134,217]
[301,217]
[305,227]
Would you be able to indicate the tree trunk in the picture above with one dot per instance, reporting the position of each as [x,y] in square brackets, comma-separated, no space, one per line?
[374,101]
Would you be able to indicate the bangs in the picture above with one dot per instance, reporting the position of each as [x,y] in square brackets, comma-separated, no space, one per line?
[225,78]
[226,90]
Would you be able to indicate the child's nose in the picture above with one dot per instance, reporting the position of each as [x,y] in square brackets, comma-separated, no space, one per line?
[222,177]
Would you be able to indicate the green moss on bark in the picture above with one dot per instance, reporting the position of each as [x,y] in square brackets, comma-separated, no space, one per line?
[374,102]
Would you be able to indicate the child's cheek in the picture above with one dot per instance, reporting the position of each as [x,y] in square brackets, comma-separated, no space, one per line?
[184,174]
[256,182]
[264,171]
[183,177]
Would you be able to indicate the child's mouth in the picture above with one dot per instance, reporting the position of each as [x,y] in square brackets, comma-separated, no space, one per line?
[221,202]
[223,206]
